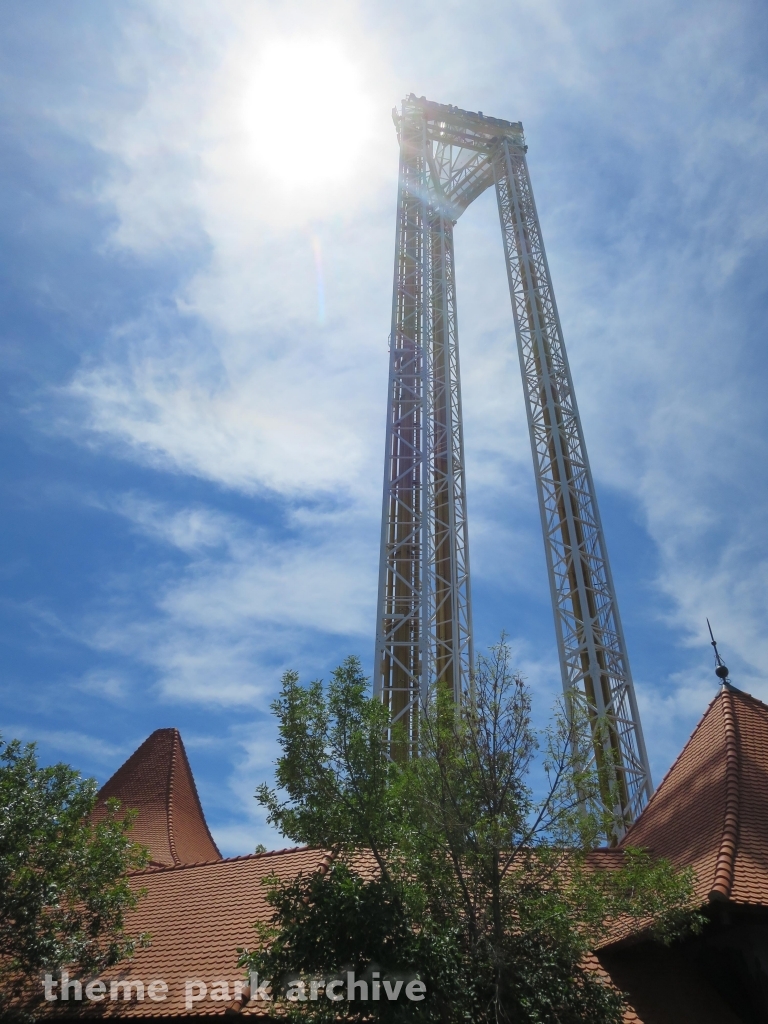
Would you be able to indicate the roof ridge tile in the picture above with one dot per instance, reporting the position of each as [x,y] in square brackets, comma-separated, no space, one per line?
[169,801]
[324,863]
[726,856]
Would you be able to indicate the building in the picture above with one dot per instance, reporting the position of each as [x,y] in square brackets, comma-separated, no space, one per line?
[710,812]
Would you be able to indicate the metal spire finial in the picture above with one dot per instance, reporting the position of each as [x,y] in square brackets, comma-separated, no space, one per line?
[721,669]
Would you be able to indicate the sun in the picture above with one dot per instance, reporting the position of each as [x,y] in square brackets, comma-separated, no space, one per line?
[306,113]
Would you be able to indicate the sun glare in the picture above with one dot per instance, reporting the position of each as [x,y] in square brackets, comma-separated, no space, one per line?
[306,113]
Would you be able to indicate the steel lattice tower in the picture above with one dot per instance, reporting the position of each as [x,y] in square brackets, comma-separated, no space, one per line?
[448,157]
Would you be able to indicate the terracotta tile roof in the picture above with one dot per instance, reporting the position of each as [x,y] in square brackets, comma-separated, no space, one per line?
[711,809]
[709,812]
[198,915]
[157,781]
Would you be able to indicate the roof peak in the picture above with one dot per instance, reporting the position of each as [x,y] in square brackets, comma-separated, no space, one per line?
[157,781]
[709,811]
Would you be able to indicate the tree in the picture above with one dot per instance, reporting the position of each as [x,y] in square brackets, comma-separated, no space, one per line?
[64,892]
[449,868]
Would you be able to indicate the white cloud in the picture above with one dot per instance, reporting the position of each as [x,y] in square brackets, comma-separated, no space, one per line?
[65,741]
[113,686]
[277,422]
[191,530]
[244,606]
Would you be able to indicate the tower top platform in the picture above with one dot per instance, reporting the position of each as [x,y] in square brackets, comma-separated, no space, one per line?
[451,125]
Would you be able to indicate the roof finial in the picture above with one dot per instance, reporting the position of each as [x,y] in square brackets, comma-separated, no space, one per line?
[721,669]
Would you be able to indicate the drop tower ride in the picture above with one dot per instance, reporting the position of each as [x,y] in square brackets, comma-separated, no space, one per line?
[448,157]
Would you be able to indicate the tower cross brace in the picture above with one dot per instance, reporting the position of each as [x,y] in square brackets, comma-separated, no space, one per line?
[448,157]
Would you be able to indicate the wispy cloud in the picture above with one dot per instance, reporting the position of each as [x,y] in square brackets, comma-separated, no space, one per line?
[109,685]
[65,741]
[243,605]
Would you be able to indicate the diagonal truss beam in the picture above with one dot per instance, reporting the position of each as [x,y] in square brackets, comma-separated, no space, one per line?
[593,659]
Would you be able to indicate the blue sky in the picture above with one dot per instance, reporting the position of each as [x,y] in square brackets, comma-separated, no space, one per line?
[197,216]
